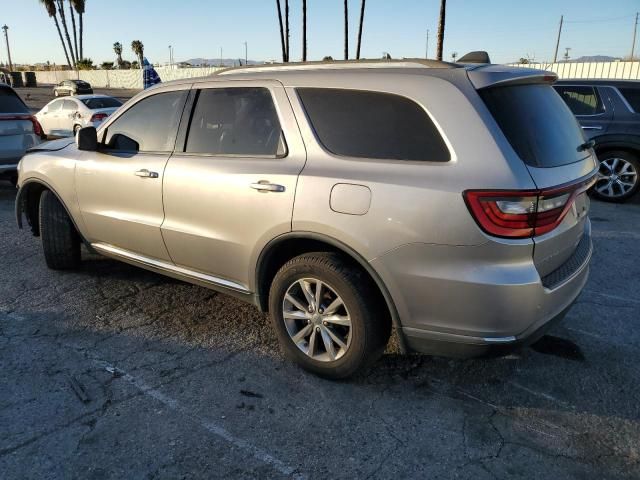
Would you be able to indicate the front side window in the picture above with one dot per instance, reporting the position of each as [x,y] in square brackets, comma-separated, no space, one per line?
[376,125]
[581,100]
[148,126]
[235,121]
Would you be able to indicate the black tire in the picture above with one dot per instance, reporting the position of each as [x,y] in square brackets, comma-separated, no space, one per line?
[617,194]
[60,240]
[370,322]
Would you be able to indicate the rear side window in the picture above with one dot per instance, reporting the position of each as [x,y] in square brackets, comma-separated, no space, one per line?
[632,96]
[55,105]
[11,103]
[150,125]
[581,100]
[376,125]
[537,124]
[70,106]
[235,121]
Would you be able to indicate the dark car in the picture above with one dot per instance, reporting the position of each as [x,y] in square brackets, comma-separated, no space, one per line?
[609,114]
[72,87]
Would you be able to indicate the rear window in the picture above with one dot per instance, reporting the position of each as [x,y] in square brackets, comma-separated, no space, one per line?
[537,123]
[11,103]
[632,96]
[95,103]
[376,125]
[581,100]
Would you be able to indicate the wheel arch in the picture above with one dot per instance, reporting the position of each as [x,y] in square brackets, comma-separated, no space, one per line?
[607,143]
[285,247]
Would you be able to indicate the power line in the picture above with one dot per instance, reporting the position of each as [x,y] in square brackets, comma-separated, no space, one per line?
[602,20]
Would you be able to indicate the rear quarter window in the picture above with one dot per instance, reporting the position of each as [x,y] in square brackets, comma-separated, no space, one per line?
[11,103]
[373,125]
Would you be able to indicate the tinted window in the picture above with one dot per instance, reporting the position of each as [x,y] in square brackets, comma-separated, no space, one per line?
[100,102]
[10,102]
[537,123]
[151,123]
[235,121]
[372,125]
[632,95]
[581,100]
[69,106]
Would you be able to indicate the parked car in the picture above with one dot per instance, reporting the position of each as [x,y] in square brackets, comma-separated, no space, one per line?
[344,198]
[19,131]
[63,117]
[72,87]
[609,113]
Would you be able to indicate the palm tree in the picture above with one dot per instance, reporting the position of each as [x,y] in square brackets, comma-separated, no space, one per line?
[138,49]
[284,47]
[360,29]
[304,30]
[79,6]
[346,30]
[117,47]
[443,8]
[50,6]
[63,18]
[75,30]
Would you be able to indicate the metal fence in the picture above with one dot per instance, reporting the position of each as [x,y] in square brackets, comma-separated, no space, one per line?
[591,70]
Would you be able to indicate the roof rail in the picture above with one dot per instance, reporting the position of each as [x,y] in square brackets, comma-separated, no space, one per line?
[342,64]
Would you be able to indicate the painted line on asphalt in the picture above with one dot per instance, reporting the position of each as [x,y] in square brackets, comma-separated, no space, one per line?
[211,427]
[546,396]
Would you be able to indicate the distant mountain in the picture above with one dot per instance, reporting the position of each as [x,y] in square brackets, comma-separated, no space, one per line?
[214,62]
[595,58]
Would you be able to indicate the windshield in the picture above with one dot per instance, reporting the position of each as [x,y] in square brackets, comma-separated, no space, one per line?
[95,103]
[11,103]
[538,124]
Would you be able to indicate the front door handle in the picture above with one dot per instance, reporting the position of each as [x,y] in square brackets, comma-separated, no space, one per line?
[146,173]
[265,186]
[591,127]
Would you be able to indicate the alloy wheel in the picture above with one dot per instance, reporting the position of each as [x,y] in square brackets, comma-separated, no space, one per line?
[616,177]
[316,319]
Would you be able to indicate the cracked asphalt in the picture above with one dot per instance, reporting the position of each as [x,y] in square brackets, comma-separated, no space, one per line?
[114,372]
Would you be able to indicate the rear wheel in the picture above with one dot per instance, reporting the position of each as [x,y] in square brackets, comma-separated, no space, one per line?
[60,240]
[618,177]
[327,316]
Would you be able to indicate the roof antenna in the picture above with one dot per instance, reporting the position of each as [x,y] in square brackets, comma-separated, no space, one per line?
[479,56]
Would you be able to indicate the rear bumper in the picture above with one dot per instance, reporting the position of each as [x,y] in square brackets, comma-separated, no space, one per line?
[461,302]
[8,169]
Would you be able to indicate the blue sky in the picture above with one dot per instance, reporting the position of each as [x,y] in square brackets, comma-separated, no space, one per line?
[507,29]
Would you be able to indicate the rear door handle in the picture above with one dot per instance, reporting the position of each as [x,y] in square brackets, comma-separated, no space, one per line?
[265,186]
[146,173]
[591,127]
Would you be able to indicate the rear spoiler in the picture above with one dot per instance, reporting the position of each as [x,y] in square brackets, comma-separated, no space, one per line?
[485,76]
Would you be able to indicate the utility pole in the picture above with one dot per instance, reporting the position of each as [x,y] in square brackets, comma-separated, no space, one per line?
[220,56]
[426,52]
[6,39]
[633,44]
[555,55]
[246,57]
[170,57]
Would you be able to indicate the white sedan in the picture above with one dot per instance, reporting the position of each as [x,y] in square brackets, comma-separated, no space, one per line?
[65,116]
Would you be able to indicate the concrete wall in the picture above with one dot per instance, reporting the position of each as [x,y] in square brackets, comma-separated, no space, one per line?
[612,70]
[120,78]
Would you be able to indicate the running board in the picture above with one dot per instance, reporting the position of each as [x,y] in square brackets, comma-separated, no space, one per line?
[169,268]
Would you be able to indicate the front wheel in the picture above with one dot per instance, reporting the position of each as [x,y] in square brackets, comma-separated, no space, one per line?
[618,178]
[60,240]
[327,315]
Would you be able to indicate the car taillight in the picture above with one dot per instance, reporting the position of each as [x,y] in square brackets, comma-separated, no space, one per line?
[37,128]
[523,213]
[98,117]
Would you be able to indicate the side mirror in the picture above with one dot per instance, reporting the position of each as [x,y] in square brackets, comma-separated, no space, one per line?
[87,139]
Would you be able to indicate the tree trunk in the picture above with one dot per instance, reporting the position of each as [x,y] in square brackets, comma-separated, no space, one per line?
[360,29]
[443,8]
[75,35]
[55,19]
[286,19]
[304,30]
[284,48]
[346,30]
[66,30]
[81,36]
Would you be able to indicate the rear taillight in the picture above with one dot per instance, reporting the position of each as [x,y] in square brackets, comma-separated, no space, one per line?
[523,213]
[37,128]
[98,117]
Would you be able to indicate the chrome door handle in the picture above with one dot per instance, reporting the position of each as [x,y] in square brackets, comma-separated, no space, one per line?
[589,127]
[146,173]
[265,186]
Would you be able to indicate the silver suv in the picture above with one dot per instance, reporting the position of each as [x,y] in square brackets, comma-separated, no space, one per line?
[446,202]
